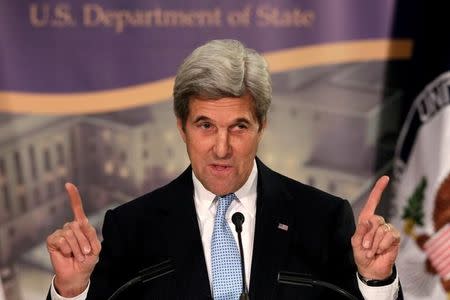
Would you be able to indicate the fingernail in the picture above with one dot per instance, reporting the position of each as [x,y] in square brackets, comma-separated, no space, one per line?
[366,244]
[87,249]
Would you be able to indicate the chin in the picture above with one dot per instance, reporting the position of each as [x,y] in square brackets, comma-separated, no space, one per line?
[220,191]
[220,185]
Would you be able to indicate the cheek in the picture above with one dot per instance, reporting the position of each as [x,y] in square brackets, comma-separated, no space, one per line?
[198,146]
[247,146]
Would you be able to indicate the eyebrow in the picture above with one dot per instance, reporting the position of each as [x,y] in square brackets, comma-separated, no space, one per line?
[201,118]
[242,120]
[205,118]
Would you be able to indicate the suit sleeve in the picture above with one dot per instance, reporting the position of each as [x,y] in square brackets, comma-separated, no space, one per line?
[109,272]
[342,267]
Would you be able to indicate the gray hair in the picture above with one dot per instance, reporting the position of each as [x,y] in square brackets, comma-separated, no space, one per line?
[219,69]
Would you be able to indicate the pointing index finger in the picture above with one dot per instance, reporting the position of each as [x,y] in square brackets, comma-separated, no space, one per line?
[374,198]
[75,202]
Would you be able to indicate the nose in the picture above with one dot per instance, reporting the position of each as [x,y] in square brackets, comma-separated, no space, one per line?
[222,146]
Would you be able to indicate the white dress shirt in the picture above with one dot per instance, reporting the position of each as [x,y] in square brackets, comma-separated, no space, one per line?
[205,207]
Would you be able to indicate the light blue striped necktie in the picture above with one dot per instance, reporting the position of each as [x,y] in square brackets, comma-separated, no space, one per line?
[225,258]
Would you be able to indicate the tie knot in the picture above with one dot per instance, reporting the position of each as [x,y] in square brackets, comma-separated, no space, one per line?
[224,203]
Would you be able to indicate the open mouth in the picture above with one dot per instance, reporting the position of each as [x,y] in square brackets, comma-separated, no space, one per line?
[220,168]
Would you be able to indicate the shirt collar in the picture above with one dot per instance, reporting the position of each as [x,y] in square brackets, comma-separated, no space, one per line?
[246,194]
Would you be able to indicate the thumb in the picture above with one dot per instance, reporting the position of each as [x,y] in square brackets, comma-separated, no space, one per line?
[362,229]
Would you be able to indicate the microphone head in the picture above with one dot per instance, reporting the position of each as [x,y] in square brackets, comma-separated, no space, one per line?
[238,219]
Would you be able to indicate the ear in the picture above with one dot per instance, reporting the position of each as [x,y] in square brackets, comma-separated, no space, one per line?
[264,124]
[180,129]
[261,129]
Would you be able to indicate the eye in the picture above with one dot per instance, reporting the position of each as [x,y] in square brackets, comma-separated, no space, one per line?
[205,125]
[239,127]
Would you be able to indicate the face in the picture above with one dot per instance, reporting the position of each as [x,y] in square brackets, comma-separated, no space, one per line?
[222,138]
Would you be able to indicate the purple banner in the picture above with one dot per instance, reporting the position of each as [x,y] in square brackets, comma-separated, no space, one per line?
[61,46]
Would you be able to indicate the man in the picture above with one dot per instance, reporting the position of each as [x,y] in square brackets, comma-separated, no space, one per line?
[221,97]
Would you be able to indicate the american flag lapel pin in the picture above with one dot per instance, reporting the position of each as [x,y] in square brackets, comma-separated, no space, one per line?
[283,226]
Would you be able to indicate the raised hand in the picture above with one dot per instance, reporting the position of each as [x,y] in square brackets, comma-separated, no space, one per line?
[73,249]
[375,242]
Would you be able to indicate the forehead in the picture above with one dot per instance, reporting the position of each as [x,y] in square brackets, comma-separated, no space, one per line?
[232,107]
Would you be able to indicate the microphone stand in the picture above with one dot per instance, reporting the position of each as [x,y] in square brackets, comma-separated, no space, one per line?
[297,279]
[145,275]
[238,220]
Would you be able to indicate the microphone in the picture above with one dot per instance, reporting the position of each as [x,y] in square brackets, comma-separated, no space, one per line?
[238,219]
[298,279]
[144,276]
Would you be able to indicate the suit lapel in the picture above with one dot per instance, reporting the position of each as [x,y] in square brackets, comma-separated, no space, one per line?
[184,240]
[271,234]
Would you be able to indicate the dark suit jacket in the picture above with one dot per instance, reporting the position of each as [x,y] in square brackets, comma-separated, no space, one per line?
[163,224]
